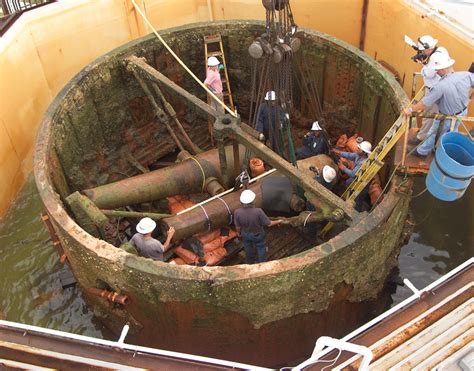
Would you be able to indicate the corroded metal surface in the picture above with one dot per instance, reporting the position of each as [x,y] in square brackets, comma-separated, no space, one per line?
[81,144]
[186,177]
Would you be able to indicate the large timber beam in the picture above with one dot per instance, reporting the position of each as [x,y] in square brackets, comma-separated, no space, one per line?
[227,126]
[139,65]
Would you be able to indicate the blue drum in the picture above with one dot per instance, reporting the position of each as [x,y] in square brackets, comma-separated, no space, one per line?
[452,167]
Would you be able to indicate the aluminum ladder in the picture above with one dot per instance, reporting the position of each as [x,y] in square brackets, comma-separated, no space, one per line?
[213,48]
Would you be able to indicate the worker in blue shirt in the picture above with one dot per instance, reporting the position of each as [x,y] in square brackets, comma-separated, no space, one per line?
[270,119]
[364,149]
[314,143]
[451,94]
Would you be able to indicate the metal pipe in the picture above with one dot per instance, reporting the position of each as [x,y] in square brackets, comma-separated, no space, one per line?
[186,177]
[363,24]
[109,295]
[324,341]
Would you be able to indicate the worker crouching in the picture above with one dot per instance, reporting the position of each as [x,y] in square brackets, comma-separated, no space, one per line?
[249,222]
[313,143]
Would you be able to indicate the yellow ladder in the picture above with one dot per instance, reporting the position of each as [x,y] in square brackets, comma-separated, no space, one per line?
[374,162]
[213,48]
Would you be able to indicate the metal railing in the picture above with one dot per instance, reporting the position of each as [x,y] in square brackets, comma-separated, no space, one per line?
[11,10]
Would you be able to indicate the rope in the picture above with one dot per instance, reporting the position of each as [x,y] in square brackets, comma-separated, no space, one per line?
[137,8]
[419,194]
[228,210]
[202,171]
[207,218]
[306,219]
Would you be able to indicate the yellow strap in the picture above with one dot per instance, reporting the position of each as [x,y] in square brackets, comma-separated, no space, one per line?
[181,62]
[202,171]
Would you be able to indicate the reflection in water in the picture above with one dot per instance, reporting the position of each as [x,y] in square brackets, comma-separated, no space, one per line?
[30,289]
[442,238]
[31,293]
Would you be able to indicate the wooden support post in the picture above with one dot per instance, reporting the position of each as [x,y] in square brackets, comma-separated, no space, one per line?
[222,161]
[235,148]
[169,108]
[158,111]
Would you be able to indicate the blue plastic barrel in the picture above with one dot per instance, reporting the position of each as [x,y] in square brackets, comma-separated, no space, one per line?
[452,167]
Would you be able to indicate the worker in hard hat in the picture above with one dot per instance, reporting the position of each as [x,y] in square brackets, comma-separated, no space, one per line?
[250,222]
[428,47]
[314,143]
[451,94]
[214,83]
[146,245]
[270,119]
[326,177]
[364,149]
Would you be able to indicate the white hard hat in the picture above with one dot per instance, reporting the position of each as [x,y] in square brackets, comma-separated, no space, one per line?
[270,95]
[316,126]
[441,60]
[365,146]
[247,197]
[426,42]
[212,61]
[328,173]
[146,225]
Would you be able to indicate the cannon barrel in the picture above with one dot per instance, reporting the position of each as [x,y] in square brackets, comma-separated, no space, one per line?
[218,212]
[211,215]
[186,177]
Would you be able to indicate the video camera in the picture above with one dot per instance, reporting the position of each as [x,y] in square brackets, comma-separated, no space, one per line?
[420,56]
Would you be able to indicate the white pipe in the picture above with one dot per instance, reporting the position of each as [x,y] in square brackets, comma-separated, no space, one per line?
[225,192]
[412,287]
[394,309]
[326,341]
[123,334]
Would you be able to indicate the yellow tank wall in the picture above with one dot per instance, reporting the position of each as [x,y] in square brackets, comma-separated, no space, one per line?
[48,46]
[388,21]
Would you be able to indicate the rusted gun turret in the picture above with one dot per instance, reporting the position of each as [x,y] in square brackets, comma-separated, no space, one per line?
[186,177]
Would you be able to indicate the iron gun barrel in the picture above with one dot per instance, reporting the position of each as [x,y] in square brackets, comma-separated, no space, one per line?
[186,177]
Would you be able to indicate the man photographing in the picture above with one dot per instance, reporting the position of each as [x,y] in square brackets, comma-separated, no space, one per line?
[426,48]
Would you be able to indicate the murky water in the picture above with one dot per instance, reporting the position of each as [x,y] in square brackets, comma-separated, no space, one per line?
[30,289]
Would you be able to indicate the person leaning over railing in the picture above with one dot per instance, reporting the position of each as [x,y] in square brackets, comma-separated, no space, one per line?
[451,95]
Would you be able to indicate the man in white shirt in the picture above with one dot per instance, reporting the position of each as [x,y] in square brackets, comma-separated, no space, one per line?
[428,45]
